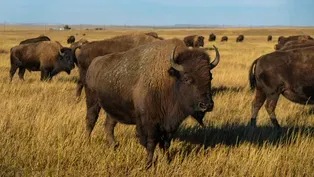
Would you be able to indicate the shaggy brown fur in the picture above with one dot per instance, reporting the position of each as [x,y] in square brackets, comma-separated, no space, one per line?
[240,38]
[141,87]
[212,37]
[37,39]
[86,53]
[283,40]
[297,44]
[48,57]
[269,38]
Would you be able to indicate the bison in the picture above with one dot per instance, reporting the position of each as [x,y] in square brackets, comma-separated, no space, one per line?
[71,39]
[194,41]
[34,40]
[240,38]
[224,38]
[297,44]
[155,86]
[48,57]
[283,40]
[290,73]
[269,38]
[212,37]
[86,53]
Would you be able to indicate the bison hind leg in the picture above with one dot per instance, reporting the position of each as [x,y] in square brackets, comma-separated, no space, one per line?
[271,103]
[21,73]
[257,103]
[12,71]
[109,126]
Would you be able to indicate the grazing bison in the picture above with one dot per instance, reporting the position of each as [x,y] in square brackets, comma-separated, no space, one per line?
[212,37]
[48,57]
[224,38]
[37,39]
[240,38]
[290,73]
[155,86]
[194,41]
[86,53]
[283,40]
[269,38]
[71,40]
[297,44]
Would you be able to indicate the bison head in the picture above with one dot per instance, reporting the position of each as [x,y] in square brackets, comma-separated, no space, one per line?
[66,61]
[192,71]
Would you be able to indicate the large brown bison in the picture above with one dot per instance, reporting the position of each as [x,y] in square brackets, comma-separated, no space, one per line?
[48,57]
[290,73]
[155,86]
[194,41]
[269,38]
[283,40]
[86,53]
[71,39]
[34,40]
[212,37]
[224,39]
[240,38]
[297,44]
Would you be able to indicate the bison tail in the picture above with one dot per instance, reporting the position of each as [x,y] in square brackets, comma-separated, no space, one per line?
[252,78]
[14,59]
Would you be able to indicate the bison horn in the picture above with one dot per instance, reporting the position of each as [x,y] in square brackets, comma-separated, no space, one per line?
[173,64]
[60,53]
[213,64]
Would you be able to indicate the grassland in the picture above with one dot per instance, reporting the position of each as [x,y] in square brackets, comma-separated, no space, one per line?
[42,125]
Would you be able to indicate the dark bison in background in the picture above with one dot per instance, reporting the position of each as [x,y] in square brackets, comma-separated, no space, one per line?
[212,37]
[297,44]
[86,53]
[34,40]
[269,38]
[224,39]
[194,41]
[283,40]
[240,38]
[169,82]
[71,40]
[290,73]
[48,57]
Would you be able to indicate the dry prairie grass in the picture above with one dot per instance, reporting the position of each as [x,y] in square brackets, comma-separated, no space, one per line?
[42,127]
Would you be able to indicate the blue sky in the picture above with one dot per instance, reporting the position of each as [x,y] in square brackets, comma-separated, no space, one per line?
[160,12]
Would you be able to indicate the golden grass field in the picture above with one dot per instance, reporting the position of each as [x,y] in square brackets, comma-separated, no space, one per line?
[42,126]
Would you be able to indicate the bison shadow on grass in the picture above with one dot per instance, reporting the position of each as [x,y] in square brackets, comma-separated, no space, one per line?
[233,135]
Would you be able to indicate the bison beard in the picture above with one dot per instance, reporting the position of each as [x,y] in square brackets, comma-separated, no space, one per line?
[158,102]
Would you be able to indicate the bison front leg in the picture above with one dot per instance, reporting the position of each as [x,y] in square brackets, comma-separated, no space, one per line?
[257,103]
[147,137]
[164,144]
[271,103]
[109,126]
[80,83]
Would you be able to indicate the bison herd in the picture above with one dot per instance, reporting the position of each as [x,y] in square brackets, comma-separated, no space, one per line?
[141,79]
